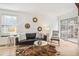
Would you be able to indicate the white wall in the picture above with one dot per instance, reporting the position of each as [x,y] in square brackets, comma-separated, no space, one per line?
[50,22]
[69,14]
[27,18]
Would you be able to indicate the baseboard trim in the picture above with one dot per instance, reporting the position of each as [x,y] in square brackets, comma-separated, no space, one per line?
[6,45]
[71,41]
[2,45]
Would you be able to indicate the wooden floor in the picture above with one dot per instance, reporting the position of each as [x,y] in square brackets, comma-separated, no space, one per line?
[68,49]
[65,49]
[7,51]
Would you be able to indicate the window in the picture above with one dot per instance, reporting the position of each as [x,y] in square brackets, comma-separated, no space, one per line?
[8,24]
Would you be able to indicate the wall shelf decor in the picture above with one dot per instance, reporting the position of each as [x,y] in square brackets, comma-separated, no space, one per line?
[27,25]
[35,19]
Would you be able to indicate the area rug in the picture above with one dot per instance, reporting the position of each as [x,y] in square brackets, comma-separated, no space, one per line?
[33,50]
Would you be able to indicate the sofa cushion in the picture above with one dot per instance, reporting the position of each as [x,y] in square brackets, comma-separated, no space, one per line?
[31,35]
[28,40]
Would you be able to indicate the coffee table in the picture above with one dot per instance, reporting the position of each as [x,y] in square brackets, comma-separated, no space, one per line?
[40,43]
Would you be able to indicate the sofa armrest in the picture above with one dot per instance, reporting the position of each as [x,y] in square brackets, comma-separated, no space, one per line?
[16,39]
[45,38]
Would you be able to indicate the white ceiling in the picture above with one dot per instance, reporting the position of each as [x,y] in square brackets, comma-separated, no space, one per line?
[40,8]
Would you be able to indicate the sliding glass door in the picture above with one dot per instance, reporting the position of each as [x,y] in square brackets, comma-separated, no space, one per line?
[69,29]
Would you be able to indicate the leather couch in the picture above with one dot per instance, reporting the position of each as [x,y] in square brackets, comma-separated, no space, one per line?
[30,38]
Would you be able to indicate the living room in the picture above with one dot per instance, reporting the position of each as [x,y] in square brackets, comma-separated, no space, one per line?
[38,29]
